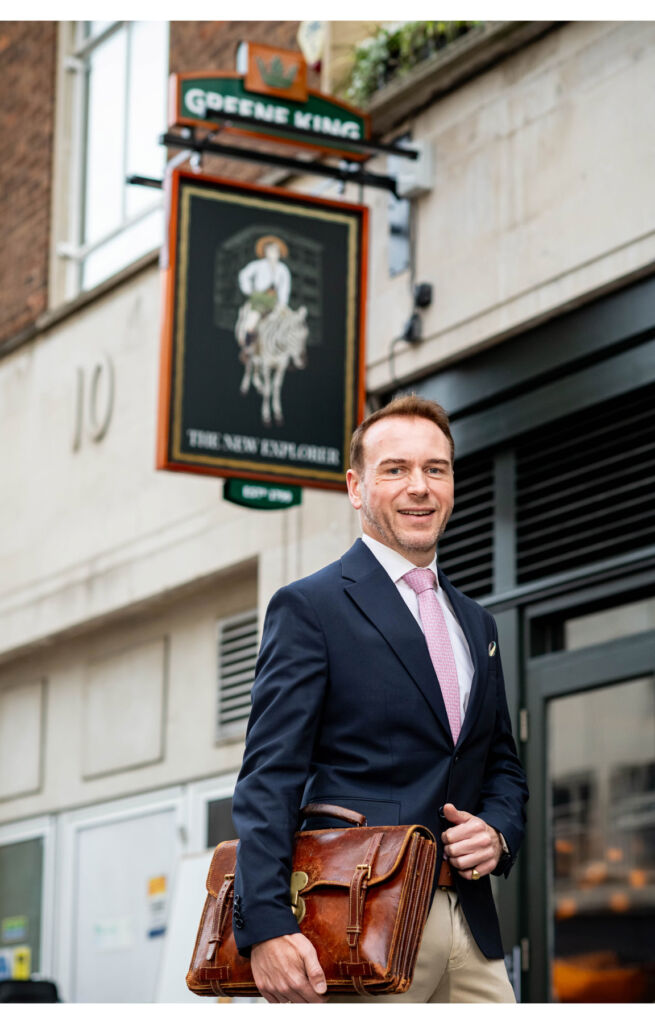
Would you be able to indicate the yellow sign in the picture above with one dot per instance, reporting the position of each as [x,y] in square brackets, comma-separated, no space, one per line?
[22,963]
[157,906]
[157,885]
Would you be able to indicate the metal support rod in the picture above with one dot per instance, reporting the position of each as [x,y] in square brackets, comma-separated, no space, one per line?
[138,179]
[361,145]
[289,163]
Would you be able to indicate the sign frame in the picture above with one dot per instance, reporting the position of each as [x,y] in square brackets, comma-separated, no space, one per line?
[168,450]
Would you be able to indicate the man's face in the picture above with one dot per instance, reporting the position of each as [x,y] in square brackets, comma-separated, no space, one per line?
[272,252]
[405,492]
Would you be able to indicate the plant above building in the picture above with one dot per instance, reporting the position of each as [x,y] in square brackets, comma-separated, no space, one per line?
[395,51]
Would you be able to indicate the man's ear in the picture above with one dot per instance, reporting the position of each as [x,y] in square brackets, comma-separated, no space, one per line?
[352,480]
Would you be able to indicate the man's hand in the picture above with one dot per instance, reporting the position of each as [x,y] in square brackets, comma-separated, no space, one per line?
[471,843]
[286,970]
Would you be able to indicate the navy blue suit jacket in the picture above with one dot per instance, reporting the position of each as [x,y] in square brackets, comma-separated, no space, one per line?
[346,709]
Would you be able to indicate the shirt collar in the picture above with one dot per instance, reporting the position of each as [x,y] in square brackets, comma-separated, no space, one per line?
[394,563]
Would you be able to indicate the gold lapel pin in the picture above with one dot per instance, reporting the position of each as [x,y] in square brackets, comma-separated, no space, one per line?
[492,648]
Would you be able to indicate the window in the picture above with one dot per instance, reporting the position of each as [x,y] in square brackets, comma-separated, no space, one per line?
[219,822]
[119,109]
[27,897]
[21,883]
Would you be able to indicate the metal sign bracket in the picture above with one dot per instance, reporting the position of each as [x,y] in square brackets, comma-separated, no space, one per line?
[189,140]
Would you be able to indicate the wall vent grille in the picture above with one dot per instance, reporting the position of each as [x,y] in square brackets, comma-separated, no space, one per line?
[238,644]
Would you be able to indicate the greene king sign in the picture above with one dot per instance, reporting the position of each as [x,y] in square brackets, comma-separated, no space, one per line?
[195,95]
[224,98]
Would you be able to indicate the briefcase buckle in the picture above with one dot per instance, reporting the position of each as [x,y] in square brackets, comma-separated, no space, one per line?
[299,880]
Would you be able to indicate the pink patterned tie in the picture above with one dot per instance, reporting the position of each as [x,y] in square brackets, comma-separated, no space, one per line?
[439,647]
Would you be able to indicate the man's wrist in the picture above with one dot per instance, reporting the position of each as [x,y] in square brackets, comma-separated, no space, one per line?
[503,843]
[505,858]
[272,939]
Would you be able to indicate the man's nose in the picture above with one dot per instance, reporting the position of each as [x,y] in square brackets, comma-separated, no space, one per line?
[417,483]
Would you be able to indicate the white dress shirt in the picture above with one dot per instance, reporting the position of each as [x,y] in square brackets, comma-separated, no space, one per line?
[397,566]
[260,275]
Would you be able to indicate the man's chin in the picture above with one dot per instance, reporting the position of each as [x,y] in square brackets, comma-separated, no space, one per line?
[417,544]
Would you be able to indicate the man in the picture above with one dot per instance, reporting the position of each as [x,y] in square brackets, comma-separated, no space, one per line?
[379,687]
[267,283]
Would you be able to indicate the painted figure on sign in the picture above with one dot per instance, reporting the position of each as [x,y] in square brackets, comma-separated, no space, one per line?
[270,335]
[267,283]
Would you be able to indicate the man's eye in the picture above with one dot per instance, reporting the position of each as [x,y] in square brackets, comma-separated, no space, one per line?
[435,470]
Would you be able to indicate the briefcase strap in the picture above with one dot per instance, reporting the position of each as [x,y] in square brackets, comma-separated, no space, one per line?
[223,900]
[332,811]
[357,968]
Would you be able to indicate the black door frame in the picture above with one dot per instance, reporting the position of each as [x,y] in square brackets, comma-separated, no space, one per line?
[546,677]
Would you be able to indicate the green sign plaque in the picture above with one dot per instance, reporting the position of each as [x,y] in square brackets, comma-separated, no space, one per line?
[197,95]
[255,494]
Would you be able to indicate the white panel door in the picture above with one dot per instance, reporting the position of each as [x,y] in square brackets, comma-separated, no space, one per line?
[123,874]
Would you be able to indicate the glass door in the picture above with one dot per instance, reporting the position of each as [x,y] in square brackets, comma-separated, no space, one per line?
[27,895]
[591,830]
[21,875]
[600,767]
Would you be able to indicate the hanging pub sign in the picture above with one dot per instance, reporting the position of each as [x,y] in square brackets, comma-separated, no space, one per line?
[262,368]
[272,95]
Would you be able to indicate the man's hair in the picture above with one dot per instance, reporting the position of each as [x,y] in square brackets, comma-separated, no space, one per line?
[407,405]
[266,240]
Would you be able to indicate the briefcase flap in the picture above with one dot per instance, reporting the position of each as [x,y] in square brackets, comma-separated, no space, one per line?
[331,856]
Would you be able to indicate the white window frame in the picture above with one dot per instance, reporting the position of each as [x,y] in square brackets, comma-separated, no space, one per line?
[43,827]
[201,794]
[67,260]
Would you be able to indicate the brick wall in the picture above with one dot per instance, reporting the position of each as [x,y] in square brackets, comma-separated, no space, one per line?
[211,45]
[27,72]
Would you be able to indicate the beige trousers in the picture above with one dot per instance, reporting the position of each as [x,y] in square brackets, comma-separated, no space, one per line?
[450,967]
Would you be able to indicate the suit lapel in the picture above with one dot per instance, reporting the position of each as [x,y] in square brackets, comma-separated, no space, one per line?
[470,624]
[375,594]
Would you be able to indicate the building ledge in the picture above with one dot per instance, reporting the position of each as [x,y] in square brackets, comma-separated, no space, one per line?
[55,315]
[449,68]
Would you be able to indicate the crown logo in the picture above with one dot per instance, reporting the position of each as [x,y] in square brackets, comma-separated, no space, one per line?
[274,74]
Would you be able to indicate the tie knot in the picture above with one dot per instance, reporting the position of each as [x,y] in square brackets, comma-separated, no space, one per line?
[420,580]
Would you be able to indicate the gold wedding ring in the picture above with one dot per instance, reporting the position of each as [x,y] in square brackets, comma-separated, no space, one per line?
[475,874]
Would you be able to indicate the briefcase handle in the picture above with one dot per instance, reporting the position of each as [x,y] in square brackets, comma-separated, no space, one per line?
[332,811]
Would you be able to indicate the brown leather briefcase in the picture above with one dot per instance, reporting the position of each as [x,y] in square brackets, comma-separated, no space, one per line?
[360,895]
